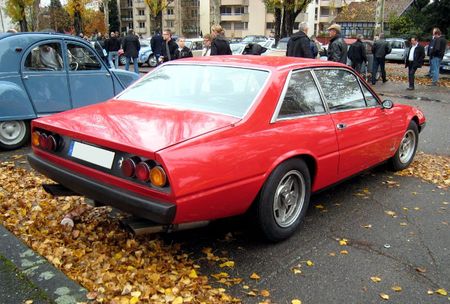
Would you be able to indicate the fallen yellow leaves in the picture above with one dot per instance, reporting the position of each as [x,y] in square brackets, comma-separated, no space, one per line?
[343,242]
[396,288]
[114,266]
[229,264]
[384,296]
[296,301]
[375,279]
[431,168]
[442,292]
[255,276]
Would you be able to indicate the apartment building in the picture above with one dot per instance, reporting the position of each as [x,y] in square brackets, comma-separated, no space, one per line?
[180,16]
[239,18]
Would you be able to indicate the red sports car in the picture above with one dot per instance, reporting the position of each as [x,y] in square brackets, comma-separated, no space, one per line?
[206,138]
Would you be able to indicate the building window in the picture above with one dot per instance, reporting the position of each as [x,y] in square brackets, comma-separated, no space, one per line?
[130,3]
[141,12]
[170,11]
[324,12]
[270,26]
[241,25]
[226,25]
[225,10]
[141,24]
[194,13]
[169,23]
[316,13]
[240,10]
[130,25]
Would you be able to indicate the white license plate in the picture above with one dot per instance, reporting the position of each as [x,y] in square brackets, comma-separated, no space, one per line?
[446,67]
[91,154]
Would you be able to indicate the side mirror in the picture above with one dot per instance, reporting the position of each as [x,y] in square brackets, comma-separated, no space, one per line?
[387,104]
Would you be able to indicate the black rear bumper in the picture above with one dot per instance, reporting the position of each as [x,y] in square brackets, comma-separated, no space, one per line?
[141,206]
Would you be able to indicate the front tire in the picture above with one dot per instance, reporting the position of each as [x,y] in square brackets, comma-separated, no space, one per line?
[152,62]
[407,149]
[122,60]
[283,200]
[14,134]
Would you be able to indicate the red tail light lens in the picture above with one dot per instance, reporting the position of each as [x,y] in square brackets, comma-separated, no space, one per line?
[128,166]
[52,143]
[143,171]
[43,143]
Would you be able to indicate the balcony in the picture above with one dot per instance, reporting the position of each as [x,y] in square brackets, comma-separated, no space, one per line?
[332,3]
[229,17]
[140,5]
[234,2]
[140,18]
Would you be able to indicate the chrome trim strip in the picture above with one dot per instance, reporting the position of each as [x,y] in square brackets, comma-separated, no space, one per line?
[281,98]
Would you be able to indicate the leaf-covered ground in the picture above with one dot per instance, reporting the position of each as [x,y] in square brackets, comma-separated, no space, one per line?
[113,265]
[117,267]
[398,73]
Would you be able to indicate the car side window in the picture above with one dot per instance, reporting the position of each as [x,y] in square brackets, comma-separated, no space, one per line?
[197,45]
[371,100]
[341,89]
[302,96]
[45,57]
[82,58]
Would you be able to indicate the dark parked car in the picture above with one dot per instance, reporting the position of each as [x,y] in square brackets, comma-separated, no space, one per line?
[41,74]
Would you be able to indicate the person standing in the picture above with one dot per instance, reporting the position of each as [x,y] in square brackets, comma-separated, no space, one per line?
[436,55]
[207,39]
[380,49]
[430,48]
[299,45]
[219,45]
[168,48]
[414,60]
[156,44]
[183,51]
[131,47]
[112,47]
[337,49]
[357,53]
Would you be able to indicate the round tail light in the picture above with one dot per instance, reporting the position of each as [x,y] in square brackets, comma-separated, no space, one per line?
[35,138]
[142,171]
[128,166]
[158,177]
[52,143]
[43,143]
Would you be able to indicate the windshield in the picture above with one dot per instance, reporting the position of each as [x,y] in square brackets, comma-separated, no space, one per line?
[236,49]
[282,44]
[217,89]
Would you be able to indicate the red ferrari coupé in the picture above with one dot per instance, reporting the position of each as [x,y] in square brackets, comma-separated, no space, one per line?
[206,138]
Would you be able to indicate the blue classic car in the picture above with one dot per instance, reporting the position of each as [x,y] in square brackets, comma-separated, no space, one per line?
[41,74]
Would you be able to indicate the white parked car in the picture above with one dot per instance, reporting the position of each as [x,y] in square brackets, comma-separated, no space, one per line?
[398,51]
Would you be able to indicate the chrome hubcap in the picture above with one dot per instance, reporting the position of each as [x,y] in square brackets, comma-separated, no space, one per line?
[407,145]
[289,198]
[12,132]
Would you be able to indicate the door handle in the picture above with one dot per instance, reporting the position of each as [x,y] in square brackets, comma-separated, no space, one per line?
[341,126]
[25,77]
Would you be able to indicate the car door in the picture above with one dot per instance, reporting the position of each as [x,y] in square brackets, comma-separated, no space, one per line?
[306,127]
[362,126]
[44,75]
[89,79]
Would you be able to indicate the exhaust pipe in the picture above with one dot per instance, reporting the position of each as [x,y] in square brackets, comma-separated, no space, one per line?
[140,226]
[58,190]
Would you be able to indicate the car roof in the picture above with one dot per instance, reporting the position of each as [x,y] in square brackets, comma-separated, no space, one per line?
[258,62]
[38,35]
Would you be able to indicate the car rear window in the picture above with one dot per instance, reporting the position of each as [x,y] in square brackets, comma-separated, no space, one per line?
[218,89]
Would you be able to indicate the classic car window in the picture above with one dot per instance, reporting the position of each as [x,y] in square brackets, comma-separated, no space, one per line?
[218,89]
[81,58]
[371,100]
[341,89]
[45,57]
[302,96]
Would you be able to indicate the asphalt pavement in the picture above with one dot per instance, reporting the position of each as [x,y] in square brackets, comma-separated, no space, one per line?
[399,234]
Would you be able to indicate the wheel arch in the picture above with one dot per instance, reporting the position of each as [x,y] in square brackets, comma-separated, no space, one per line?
[15,103]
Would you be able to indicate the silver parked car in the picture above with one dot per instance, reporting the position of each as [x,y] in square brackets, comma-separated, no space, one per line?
[398,46]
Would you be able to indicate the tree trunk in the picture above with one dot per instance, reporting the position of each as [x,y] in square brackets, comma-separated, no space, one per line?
[23,25]
[277,25]
[77,23]
[289,20]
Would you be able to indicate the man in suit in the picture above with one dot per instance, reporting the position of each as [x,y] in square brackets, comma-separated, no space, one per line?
[414,60]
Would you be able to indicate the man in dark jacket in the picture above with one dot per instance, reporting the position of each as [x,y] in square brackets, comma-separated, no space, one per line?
[299,44]
[337,48]
[414,60]
[437,54]
[380,49]
[156,44]
[357,53]
[112,46]
[131,47]
[183,51]
[219,45]
[168,48]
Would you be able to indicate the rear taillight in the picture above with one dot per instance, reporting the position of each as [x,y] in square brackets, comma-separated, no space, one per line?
[128,166]
[144,171]
[48,142]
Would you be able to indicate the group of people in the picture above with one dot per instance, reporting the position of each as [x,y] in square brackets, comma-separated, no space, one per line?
[300,45]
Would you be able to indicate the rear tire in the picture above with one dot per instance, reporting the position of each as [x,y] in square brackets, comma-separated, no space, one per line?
[152,62]
[14,134]
[122,60]
[407,148]
[283,200]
